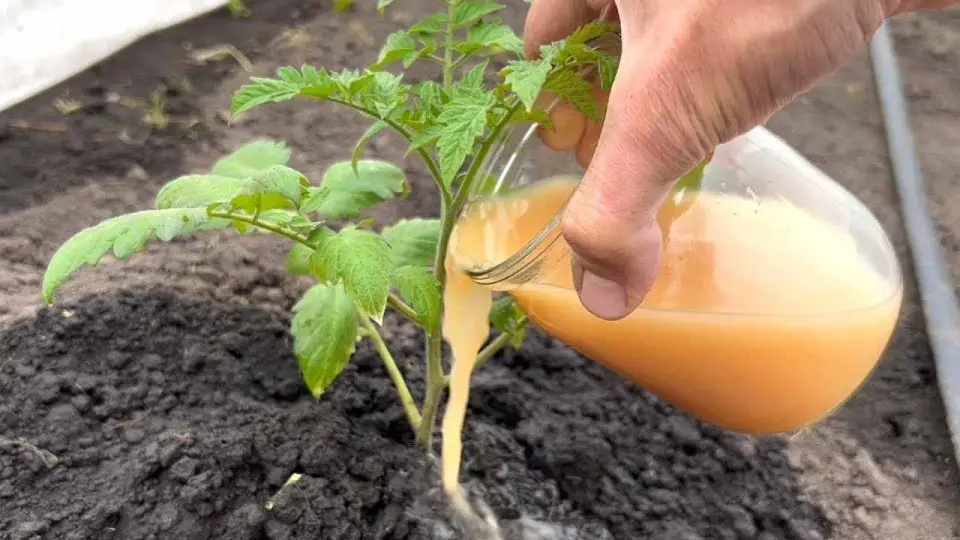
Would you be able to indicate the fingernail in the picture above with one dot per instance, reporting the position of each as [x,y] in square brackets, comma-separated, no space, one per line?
[604,298]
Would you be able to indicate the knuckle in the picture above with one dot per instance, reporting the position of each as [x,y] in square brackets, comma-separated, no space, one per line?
[594,231]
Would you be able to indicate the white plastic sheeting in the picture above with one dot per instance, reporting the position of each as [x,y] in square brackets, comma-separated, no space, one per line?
[43,42]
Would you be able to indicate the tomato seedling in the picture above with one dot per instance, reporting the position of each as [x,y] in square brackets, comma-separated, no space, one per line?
[451,124]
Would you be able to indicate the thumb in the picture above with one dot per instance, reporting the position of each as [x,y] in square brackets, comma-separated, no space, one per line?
[610,221]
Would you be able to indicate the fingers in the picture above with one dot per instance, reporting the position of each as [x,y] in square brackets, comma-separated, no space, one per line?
[552,20]
[587,144]
[610,222]
[567,124]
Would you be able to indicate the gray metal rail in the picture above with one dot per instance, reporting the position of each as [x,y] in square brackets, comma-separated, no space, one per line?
[933,280]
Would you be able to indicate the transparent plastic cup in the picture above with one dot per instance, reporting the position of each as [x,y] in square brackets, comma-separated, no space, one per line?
[773,358]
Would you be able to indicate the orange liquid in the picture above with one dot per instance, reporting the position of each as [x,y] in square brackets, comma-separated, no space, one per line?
[763,319]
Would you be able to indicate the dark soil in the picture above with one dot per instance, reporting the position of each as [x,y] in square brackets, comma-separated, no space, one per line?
[178,418]
[159,399]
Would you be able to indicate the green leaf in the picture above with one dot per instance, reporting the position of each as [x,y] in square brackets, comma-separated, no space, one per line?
[506,316]
[251,158]
[383,5]
[197,191]
[538,116]
[419,287]
[126,234]
[608,65]
[591,31]
[472,80]
[361,145]
[361,259]
[430,94]
[345,191]
[468,11]
[350,81]
[430,25]
[384,93]
[425,138]
[324,329]
[569,85]
[526,79]
[298,259]
[340,6]
[260,91]
[463,119]
[308,81]
[279,216]
[278,186]
[493,34]
[413,242]
[688,185]
[398,45]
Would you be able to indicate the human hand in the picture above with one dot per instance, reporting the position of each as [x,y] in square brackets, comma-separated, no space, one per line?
[693,74]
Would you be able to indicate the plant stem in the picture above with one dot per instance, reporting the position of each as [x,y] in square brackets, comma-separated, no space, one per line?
[493,348]
[448,66]
[406,398]
[402,308]
[436,379]
[267,226]
[436,382]
[460,61]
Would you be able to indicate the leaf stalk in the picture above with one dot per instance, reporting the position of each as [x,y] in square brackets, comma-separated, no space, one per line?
[406,398]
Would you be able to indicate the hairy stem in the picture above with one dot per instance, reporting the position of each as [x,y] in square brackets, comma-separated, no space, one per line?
[436,379]
[406,398]
[265,225]
[436,382]
[448,66]
[402,308]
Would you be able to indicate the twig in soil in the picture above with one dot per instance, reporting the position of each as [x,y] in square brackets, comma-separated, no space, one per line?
[295,37]
[27,126]
[67,106]
[293,479]
[219,52]
[47,457]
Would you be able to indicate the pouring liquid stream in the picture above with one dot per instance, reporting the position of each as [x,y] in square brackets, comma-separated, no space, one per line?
[763,319]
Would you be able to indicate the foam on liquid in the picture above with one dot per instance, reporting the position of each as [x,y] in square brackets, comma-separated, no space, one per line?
[763,319]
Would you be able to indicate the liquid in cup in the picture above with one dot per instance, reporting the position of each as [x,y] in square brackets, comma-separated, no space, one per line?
[769,312]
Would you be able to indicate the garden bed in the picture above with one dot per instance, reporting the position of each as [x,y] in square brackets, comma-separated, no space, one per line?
[159,399]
